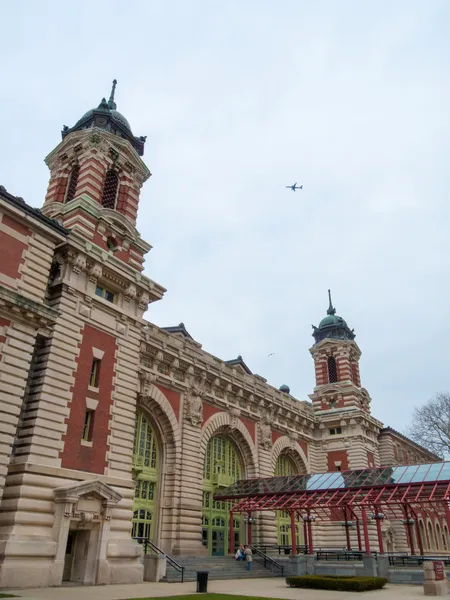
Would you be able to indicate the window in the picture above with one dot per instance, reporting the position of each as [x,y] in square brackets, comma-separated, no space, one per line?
[111,244]
[335,430]
[338,468]
[95,373]
[110,189]
[332,370]
[72,185]
[88,426]
[106,294]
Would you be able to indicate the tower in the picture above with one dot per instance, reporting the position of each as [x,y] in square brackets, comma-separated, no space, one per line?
[348,432]
[336,359]
[96,174]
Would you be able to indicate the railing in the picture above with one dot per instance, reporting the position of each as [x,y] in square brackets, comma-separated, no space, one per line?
[148,544]
[348,555]
[408,560]
[267,559]
[287,549]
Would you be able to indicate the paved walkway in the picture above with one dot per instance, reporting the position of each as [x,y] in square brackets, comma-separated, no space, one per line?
[266,588]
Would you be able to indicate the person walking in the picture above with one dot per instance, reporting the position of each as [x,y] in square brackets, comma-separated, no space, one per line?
[248,556]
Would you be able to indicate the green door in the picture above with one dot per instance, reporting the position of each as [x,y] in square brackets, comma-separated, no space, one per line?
[222,468]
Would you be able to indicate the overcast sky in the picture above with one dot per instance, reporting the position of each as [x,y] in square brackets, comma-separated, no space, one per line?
[238,99]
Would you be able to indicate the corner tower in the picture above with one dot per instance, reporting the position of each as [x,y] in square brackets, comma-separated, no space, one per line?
[336,359]
[96,174]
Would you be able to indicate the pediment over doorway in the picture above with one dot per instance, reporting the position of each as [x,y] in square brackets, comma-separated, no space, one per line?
[92,489]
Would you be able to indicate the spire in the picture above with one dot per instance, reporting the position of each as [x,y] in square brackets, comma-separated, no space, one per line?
[331,310]
[112,105]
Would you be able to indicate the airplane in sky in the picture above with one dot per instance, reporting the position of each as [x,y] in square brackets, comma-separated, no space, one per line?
[294,187]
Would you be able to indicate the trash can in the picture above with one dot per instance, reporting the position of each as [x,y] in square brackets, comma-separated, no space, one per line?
[202,582]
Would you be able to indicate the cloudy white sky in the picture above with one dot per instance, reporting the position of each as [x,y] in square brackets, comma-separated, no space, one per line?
[239,99]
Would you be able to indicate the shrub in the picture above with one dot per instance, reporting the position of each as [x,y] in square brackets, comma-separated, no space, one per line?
[335,582]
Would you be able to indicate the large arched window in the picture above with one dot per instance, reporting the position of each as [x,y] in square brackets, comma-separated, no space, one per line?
[284,467]
[72,184]
[110,188]
[332,370]
[145,468]
[221,468]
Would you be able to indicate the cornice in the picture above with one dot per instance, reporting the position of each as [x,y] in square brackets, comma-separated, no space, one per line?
[26,310]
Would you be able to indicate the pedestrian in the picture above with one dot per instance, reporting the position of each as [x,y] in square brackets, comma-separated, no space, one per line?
[248,556]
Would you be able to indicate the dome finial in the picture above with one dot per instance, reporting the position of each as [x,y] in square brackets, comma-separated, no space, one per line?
[112,105]
[331,310]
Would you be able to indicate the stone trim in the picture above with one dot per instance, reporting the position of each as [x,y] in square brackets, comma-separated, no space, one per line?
[296,453]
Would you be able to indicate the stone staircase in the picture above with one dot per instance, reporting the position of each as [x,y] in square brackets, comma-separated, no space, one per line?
[219,567]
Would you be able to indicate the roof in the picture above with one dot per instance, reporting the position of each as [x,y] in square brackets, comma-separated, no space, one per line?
[238,362]
[410,441]
[390,487]
[178,329]
[20,203]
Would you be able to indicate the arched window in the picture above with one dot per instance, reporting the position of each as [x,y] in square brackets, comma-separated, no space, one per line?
[445,537]
[332,370]
[145,465]
[431,540]
[438,537]
[110,188]
[285,467]
[72,184]
[422,533]
[222,467]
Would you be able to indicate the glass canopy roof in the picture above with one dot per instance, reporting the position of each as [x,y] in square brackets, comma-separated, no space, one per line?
[381,476]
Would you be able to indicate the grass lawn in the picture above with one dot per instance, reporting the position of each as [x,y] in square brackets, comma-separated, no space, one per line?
[207,597]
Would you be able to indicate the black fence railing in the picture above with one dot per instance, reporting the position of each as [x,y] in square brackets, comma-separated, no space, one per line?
[258,554]
[345,555]
[279,549]
[412,560]
[149,546]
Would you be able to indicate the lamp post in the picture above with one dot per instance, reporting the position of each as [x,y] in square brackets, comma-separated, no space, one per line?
[249,520]
[308,520]
[378,516]
[348,525]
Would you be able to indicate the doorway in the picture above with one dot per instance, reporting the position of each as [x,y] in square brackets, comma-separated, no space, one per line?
[69,556]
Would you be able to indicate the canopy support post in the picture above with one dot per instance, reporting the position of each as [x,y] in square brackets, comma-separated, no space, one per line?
[365,531]
[231,549]
[310,537]
[379,532]
[293,533]
[249,529]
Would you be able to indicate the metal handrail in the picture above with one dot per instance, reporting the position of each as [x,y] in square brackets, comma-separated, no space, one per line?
[342,554]
[415,559]
[301,549]
[267,559]
[147,543]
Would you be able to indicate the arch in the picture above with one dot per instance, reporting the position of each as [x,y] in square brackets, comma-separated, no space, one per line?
[445,537]
[422,533]
[163,419]
[110,188]
[437,528]
[223,423]
[158,405]
[295,452]
[431,540]
[72,184]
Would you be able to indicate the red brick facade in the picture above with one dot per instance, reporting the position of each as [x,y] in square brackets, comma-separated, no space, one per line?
[76,455]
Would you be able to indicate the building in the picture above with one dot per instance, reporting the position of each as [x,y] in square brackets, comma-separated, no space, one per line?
[113,428]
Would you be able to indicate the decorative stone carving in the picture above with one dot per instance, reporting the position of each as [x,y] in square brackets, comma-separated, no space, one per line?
[95,272]
[147,379]
[79,263]
[194,400]
[265,434]
[235,413]
[144,300]
[130,293]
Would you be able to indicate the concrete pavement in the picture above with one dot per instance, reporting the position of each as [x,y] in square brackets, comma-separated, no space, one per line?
[265,588]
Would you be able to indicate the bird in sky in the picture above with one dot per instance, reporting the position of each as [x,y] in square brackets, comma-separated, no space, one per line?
[271,354]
